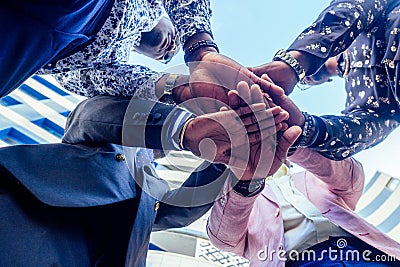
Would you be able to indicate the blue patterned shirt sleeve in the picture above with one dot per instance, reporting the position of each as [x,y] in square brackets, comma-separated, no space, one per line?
[367,29]
[189,16]
[338,26]
[117,79]
[348,135]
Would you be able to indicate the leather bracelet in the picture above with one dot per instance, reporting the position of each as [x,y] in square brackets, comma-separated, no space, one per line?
[189,53]
[347,63]
[284,56]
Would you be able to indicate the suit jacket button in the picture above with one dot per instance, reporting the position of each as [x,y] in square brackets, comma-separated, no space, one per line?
[156,206]
[120,157]
[157,117]
[277,212]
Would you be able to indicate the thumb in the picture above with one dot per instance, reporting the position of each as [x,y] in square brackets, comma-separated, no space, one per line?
[287,140]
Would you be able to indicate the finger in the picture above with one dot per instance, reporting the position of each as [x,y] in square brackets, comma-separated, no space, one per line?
[276,110]
[261,136]
[269,123]
[262,120]
[279,127]
[264,117]
[265,77]
[244,92]
[285,126]
[260,115]
[256,94]
[282,116]
[268,100]
[269,87]
[233,99]
[259,124]
[243,111]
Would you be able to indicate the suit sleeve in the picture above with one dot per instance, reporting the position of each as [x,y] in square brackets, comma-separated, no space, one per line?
[183,206]
[126,121]
[344,178]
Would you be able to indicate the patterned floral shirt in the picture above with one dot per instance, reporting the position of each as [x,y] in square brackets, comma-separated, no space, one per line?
[370,31]
[101,68]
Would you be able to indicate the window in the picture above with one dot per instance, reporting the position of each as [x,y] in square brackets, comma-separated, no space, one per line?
[393,184]
[9,101]
[65,113]
[50,126]
[51,86]
[14,137]
[32,92]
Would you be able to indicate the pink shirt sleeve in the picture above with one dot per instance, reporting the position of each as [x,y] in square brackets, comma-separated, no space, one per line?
[344,178]
[228,222]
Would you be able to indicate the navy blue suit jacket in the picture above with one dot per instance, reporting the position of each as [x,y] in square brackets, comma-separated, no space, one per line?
[66,175]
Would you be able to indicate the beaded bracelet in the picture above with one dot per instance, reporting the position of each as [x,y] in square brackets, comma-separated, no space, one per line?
[320,133]
[304,139]
[292,62]
[189,53]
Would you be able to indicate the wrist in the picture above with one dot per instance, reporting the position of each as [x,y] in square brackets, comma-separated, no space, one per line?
[198,45]
[196,38]
[166,86]
[292,62]
[331,66]
[247,188]
[343,64]
[301,59]
[320,132]
[184,139]
[181,92]
[160,84]
[308,61]
[309,132]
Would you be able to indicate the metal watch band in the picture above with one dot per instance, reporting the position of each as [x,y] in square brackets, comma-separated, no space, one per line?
[292,62]
[170,83]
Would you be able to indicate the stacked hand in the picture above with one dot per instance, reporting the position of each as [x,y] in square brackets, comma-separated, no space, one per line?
[239,129]
[212,78]
[267,156]
[243,138]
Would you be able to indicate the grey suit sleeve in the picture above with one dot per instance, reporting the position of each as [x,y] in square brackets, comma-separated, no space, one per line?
[126,121]
[182,206]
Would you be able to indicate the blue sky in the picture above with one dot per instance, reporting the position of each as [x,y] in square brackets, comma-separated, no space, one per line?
[252,31]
